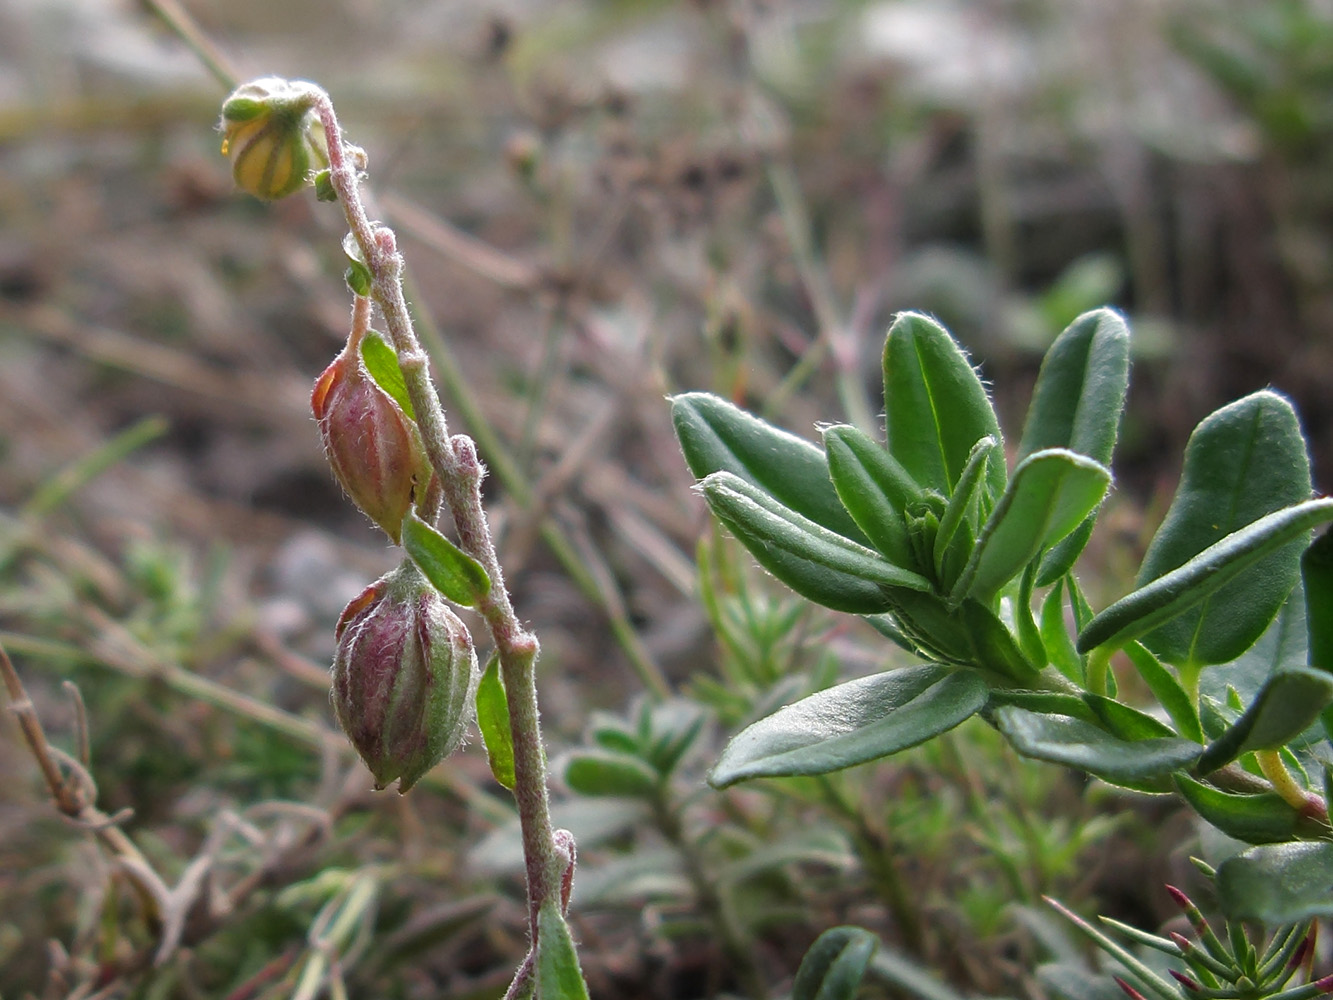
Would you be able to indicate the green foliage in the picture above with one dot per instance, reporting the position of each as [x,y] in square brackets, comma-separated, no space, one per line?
[835,964]
[493,721]
[852,723]
[558,973]
[960,546]
[452,572]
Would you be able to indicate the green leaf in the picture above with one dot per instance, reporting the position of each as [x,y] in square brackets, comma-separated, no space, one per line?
[965,501]
[601,772]
[1055,635]
[910,979]
[873,488]
[558,974]
[1141,764]
[970,634]
[382,362]
[935,406]
[452,572]
[1317,571]
[1124,721]
[1050,493]
[852,723]
[1166,688]
[833,967]
[1285,706]
[324,190]
[1255,819]
[993,645]
[718,437]
[1061,556]
[1175,593]
[1044,703]
[817,563]
[1278,884]
[1243,462]
[1076,404]
[676,724]
[358,278]
[493,721]
[1029,636]
[1080,391]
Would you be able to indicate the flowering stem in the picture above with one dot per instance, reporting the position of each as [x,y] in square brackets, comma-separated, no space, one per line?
[454,460]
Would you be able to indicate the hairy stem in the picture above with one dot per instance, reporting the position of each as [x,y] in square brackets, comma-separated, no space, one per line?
[454,459]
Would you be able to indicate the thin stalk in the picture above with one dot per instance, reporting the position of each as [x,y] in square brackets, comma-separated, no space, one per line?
[455,461]
[738,950]
[834,335]
[1271,765]
[75,795]
[520,491]
[876,854]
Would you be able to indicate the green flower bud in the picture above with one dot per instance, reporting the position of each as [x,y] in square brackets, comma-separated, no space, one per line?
[404,677]
[373,447]
[271,132]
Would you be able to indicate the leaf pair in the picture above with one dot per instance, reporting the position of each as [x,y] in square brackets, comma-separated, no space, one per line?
[1227,554]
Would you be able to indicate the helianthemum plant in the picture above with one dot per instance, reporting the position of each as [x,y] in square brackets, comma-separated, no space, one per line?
[405,674]
[966,561]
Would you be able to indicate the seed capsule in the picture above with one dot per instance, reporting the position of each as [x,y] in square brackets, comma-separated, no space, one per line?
[404,677]
[270,131]
[373,447]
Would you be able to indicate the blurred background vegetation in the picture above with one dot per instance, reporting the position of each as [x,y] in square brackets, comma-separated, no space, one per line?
[602,202]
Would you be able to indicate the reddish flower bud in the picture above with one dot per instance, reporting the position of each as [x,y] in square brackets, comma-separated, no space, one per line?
[271,133]
[372,445]
[404,677]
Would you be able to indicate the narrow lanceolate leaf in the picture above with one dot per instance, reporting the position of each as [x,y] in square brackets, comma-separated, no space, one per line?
[817,563]
[1284,708]
[1141,764]
[1077,403]
[1055,635]
[965,505]
[1278,884]
[873,488]
[1167,689]
[935,406]
[382,363]
[558,974]
[852,723]
[493,721]
[1255,819]
[1044,703]
[1050,494]
[1173,594]
[451,571]
[1124,721]
[833,967]
[1243,462]
[719,437]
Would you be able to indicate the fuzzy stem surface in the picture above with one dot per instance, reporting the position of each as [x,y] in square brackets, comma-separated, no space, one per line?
[454,460]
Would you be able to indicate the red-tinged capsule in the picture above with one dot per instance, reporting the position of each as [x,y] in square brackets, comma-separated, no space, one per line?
[373,447]
[404,677]
[272,135]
